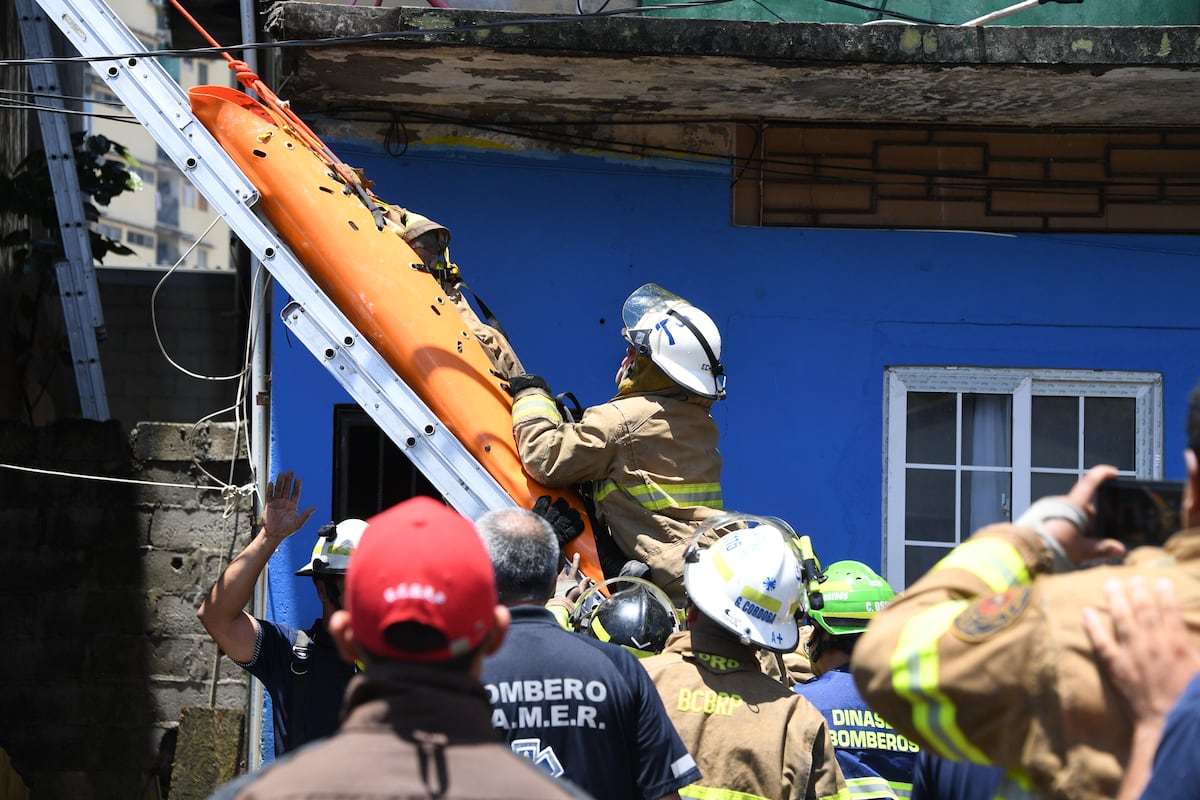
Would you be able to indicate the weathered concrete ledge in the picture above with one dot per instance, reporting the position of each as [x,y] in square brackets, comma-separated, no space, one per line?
[505,65]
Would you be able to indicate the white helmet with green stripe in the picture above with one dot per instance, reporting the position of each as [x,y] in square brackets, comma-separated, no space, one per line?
[749,580]
[853,594]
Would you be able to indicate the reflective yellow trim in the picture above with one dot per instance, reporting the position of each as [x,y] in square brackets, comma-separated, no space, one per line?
[765,600]
[994,561]
[722,566]
[714,793]
[915,677]
[656,497]
[535,405]
[876,788]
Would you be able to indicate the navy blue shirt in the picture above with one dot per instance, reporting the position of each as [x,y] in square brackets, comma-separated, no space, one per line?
[324,683]
[584,710]
[938,778]
[877,761]
[1176,766]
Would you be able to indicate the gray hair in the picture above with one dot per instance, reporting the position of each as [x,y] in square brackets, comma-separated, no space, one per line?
[524,552]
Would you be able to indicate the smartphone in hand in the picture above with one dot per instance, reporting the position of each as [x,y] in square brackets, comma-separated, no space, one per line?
[1137,512]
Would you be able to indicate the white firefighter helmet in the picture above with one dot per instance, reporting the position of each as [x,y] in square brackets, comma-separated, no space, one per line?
[331,553]
[636,614]
[749,580]
[679,338]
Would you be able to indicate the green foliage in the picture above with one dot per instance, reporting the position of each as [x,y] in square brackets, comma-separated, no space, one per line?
[104,170]
[28,192]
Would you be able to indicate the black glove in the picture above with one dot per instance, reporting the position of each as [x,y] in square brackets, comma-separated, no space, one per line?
[518,383]
[566,521]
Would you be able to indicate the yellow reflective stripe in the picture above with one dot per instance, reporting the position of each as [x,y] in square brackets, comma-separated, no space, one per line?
[604,489]
[915,677]
[765,600]
[876,788]
[656,497]
[535,405]
[994,561]
[714,793]
[722,566]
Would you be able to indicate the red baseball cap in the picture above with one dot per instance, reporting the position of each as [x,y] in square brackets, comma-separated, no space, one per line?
[420,566]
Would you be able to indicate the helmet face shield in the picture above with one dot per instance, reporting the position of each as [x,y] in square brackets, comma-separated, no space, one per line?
[677,336]
[647,299]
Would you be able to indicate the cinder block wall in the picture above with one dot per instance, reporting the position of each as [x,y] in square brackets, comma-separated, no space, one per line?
[102,648]
[200,319]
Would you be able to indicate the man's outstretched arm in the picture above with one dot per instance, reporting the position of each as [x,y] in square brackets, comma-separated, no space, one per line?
[223,612]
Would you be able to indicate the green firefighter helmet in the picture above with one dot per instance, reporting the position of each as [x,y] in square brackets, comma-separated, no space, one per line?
[853,593]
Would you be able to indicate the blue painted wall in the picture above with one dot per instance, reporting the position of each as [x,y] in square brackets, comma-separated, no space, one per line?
[811,318]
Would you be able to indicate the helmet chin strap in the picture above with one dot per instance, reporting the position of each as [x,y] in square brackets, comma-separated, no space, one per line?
[717,369]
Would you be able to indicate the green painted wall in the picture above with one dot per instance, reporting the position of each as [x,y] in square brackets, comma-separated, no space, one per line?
[952,12]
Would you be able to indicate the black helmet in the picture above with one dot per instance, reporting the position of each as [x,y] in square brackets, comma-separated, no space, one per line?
[638,616]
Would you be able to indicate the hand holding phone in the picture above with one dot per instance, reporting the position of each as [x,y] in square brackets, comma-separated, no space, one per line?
[1137,512]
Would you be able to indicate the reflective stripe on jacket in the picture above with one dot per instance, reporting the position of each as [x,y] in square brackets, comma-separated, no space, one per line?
[653,457]
[985,659]
[751,736]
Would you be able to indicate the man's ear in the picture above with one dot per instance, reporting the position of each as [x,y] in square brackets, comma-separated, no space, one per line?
[499,631]
[343,636]
[1191,489]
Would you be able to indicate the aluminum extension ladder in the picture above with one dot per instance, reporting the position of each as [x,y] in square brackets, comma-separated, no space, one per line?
[77,286]
[162,107]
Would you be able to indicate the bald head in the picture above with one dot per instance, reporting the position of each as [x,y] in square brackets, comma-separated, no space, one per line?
[524,553]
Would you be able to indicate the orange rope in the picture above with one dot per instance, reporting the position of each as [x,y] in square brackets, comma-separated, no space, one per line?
[247,78]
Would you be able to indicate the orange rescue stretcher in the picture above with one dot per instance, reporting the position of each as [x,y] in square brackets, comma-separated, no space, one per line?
[331,222]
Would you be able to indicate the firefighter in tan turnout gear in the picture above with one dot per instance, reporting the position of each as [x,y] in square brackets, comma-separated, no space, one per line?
[986,658]
[751,736]
[650,452]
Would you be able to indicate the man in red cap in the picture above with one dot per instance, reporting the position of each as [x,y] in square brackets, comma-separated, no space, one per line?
[421,613]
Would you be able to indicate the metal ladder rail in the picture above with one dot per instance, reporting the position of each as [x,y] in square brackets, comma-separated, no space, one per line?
[77,288]
[162,107]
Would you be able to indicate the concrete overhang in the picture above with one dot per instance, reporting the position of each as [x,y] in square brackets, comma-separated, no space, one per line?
[496,66]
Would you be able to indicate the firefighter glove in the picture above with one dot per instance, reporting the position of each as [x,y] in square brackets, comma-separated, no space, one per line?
[566,521]
[518,383]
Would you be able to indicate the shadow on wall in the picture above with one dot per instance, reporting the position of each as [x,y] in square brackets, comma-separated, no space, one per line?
[97,607]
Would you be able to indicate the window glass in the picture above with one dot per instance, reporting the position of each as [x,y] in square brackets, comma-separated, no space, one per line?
[1109,431]
[931,427]
[919,559]
[970,446]
[987,430]
[1049,484]
[1054,440]
[986,498]
[929,505]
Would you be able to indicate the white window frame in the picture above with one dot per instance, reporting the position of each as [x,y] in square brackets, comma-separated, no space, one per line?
[1021,385]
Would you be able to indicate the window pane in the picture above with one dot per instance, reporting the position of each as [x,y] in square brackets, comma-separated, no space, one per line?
[1043,484]
[929,505]
[919,559]
[987,430]
[931,427]
[1109,429]
[1054,438]
[986,498]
